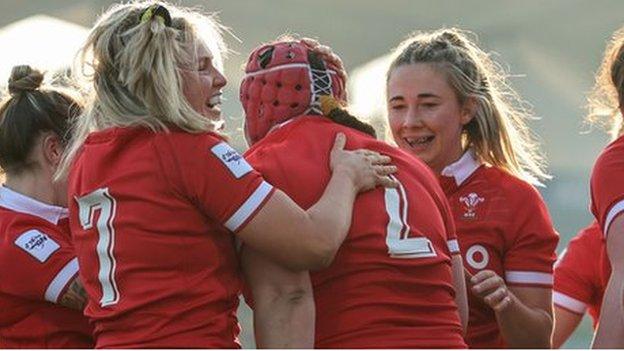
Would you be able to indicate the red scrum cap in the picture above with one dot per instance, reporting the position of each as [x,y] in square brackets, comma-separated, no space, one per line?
[284,80]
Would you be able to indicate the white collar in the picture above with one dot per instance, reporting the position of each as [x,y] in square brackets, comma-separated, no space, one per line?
[462,168]
[21,203]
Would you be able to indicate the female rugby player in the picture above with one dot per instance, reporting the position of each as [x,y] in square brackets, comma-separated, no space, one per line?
[41,297]
[156,192]
[449,106]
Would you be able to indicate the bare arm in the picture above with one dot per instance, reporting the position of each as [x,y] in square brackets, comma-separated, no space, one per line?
[74,297]
[610,333]
[565,324]
[461,297]
[524,314]
[304,240]
[283,303]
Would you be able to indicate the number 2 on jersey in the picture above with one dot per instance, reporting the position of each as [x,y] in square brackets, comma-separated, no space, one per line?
[101,200]
[397,231]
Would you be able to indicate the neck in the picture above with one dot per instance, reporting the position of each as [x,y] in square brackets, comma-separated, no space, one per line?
[449,161]
[33,185]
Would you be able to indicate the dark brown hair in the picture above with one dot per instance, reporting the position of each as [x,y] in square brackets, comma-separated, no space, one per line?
[332,110]
[29,111]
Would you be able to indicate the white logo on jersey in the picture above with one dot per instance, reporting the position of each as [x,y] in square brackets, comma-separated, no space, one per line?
[37,244]
[231,159]
[470,203]
[472,259]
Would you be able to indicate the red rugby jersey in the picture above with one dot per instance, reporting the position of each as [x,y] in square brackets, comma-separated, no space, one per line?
[37,263]
[390,285]
[582,273]
[148,214]
[607,184]
[502,225]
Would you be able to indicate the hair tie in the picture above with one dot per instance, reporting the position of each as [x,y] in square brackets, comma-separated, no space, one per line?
[328,104]
[159,12]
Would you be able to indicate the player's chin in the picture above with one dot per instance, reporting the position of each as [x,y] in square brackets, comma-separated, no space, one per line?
[213,114]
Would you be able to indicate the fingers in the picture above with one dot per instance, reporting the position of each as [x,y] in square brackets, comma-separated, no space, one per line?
[379,159]
[492,289]
[486,286]
[481,276]
[496,297]
[387,182]
[385,170]
[339,142]
[505,303]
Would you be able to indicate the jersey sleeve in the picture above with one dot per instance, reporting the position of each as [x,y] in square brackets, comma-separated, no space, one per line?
[451,232]
[531,249]
[573,287]
[217,178]
[607,186]
[37,264]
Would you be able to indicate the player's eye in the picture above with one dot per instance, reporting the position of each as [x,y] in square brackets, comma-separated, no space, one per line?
[204,64]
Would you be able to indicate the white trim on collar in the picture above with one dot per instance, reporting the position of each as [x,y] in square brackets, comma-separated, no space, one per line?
[462,168]
[21,203]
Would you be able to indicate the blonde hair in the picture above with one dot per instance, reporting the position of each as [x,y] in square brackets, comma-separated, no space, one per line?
[607,96]
[130,67]
[498,133]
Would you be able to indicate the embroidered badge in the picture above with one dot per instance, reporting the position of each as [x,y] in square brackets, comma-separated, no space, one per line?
[470,203]
[231,159]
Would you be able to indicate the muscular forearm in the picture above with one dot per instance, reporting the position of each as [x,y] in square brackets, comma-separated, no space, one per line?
[330,218]
[523,326]
[610,333]
[285,321]
[565,324]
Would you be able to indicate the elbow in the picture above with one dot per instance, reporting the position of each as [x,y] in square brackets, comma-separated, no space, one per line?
[322,255]
[284,294]
[311,259]
[318,253]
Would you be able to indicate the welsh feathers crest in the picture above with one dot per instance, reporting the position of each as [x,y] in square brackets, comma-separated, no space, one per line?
[470,203]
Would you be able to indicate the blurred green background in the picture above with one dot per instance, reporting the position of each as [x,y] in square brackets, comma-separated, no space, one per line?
[553,48]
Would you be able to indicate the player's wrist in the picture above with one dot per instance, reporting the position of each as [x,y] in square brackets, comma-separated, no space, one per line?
[507,304]
[345,173]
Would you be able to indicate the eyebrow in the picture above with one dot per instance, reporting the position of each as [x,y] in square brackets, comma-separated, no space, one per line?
[420,96]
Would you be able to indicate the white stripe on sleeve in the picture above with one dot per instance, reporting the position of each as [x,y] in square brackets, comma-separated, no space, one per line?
[249,207]
[453,246]
[61,280]
[569,303]
[613,212]
[528,277]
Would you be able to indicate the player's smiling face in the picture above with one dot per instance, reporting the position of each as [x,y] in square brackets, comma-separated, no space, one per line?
[425,115]
[203,84]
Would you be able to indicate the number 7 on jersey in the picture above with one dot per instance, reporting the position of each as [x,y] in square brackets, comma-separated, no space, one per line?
[101,200]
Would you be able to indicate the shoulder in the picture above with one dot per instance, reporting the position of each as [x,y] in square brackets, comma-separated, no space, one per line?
[179,146]
[179,138]
[610,160]
[14,223]
[514,189]
[28,234]
[590,236]
[585,242]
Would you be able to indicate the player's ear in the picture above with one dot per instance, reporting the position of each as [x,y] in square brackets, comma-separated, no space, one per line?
[52,148]
[468,111]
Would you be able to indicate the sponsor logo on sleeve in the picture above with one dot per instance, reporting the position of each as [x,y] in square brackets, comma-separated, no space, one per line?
[231,159]
[37,244]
